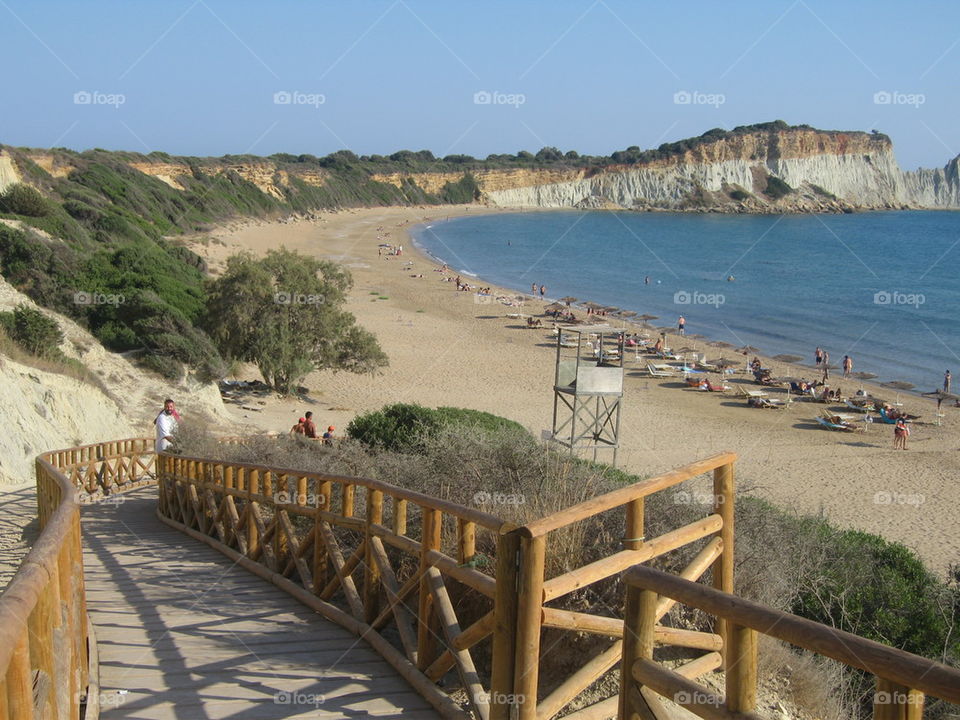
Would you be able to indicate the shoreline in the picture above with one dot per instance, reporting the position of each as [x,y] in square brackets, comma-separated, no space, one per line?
[446,348]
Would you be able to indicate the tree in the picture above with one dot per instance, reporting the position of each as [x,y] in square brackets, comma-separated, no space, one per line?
[23,199]
[283,313]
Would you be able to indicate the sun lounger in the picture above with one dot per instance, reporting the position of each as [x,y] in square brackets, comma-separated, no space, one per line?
[710,387]
[656,372]
[861,406]
[765,402]
[836,422]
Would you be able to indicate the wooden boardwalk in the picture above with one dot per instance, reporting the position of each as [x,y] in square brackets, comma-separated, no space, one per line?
[183,633]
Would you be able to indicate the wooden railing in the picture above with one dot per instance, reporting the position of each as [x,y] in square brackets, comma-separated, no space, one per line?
[44,652]
[902,679]
[372,556]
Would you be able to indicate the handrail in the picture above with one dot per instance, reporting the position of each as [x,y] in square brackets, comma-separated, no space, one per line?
[44,656]
[621,496]
[893,667]
[481,518]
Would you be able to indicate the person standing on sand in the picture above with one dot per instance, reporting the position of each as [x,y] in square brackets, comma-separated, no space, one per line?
[166,423]
[309,429]
[543,291]
[946,381]
[847,366]
[298,428]
[818,355]
[681,324]
[900,434]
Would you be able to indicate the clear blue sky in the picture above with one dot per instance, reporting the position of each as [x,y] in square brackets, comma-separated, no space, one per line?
[199,77]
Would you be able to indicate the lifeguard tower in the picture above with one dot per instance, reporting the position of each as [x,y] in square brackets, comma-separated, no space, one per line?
[588,388]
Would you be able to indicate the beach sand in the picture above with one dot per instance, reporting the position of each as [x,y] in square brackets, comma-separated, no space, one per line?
[451,348]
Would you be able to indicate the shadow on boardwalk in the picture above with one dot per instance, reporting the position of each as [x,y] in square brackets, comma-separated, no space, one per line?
[183,633]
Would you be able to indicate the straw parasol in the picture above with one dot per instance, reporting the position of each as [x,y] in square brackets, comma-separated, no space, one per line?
[627,313]
[748,349]
[646,318]
[723,362]
[568,299]
[864,375]
[899,385]
[554,306]
[789,358]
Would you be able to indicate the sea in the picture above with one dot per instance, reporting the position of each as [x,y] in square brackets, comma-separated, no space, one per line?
[882,287]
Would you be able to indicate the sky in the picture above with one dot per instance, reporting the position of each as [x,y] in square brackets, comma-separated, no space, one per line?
[212,77]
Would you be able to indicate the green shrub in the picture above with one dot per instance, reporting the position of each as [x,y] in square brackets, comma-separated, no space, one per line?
[33,331]
[21,199]
[823,192]
[739,195]
[776,188]
[406,427]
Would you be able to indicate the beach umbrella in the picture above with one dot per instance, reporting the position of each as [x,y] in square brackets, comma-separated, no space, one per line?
[554,306]
[748,349]
[789,358]
[723,363]
[627,313]
[864,375]
[899,385]
[568,299]
[940,396]
[647,318]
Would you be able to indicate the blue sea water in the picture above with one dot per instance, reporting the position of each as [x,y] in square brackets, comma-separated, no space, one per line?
[881,287]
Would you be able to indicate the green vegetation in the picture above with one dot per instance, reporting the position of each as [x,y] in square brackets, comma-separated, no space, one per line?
[776,188]
[21,199]
[407,427]
[739,195]
[283,313]
[822,192]
[33,331]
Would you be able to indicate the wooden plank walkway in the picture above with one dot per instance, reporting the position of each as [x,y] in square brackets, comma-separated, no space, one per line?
[183,633]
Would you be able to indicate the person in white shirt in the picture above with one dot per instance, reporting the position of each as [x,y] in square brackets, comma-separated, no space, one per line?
[166,423]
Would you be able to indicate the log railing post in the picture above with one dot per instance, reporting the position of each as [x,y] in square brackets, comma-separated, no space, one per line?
[371,571]
[399,516]
[529,620]
[893,701]
[505,607]
[741,669]
[640,618]
[723,505]
[466,540]
[634,525]
[426,617]
[320,557]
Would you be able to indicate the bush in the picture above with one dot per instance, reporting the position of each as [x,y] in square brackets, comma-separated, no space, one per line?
[21,199]
[407,427]
[739,195]
[33,331]
[776,188]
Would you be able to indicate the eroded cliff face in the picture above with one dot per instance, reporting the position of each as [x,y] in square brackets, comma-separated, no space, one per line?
[826,171]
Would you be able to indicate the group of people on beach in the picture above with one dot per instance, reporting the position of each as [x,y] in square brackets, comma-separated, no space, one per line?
[822,360]
[305,427]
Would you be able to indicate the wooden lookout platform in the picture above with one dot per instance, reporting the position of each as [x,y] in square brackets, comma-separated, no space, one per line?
[183,632]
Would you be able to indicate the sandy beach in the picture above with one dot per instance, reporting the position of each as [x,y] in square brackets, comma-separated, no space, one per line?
[453,348]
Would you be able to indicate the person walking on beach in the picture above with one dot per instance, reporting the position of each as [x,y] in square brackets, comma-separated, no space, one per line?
[847,366]
[309,429]
[946,381]
[533,288]
[166,423]
[818,355]
[543,291]
[328,436]
[681,324]
[900,434]
[298,428]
